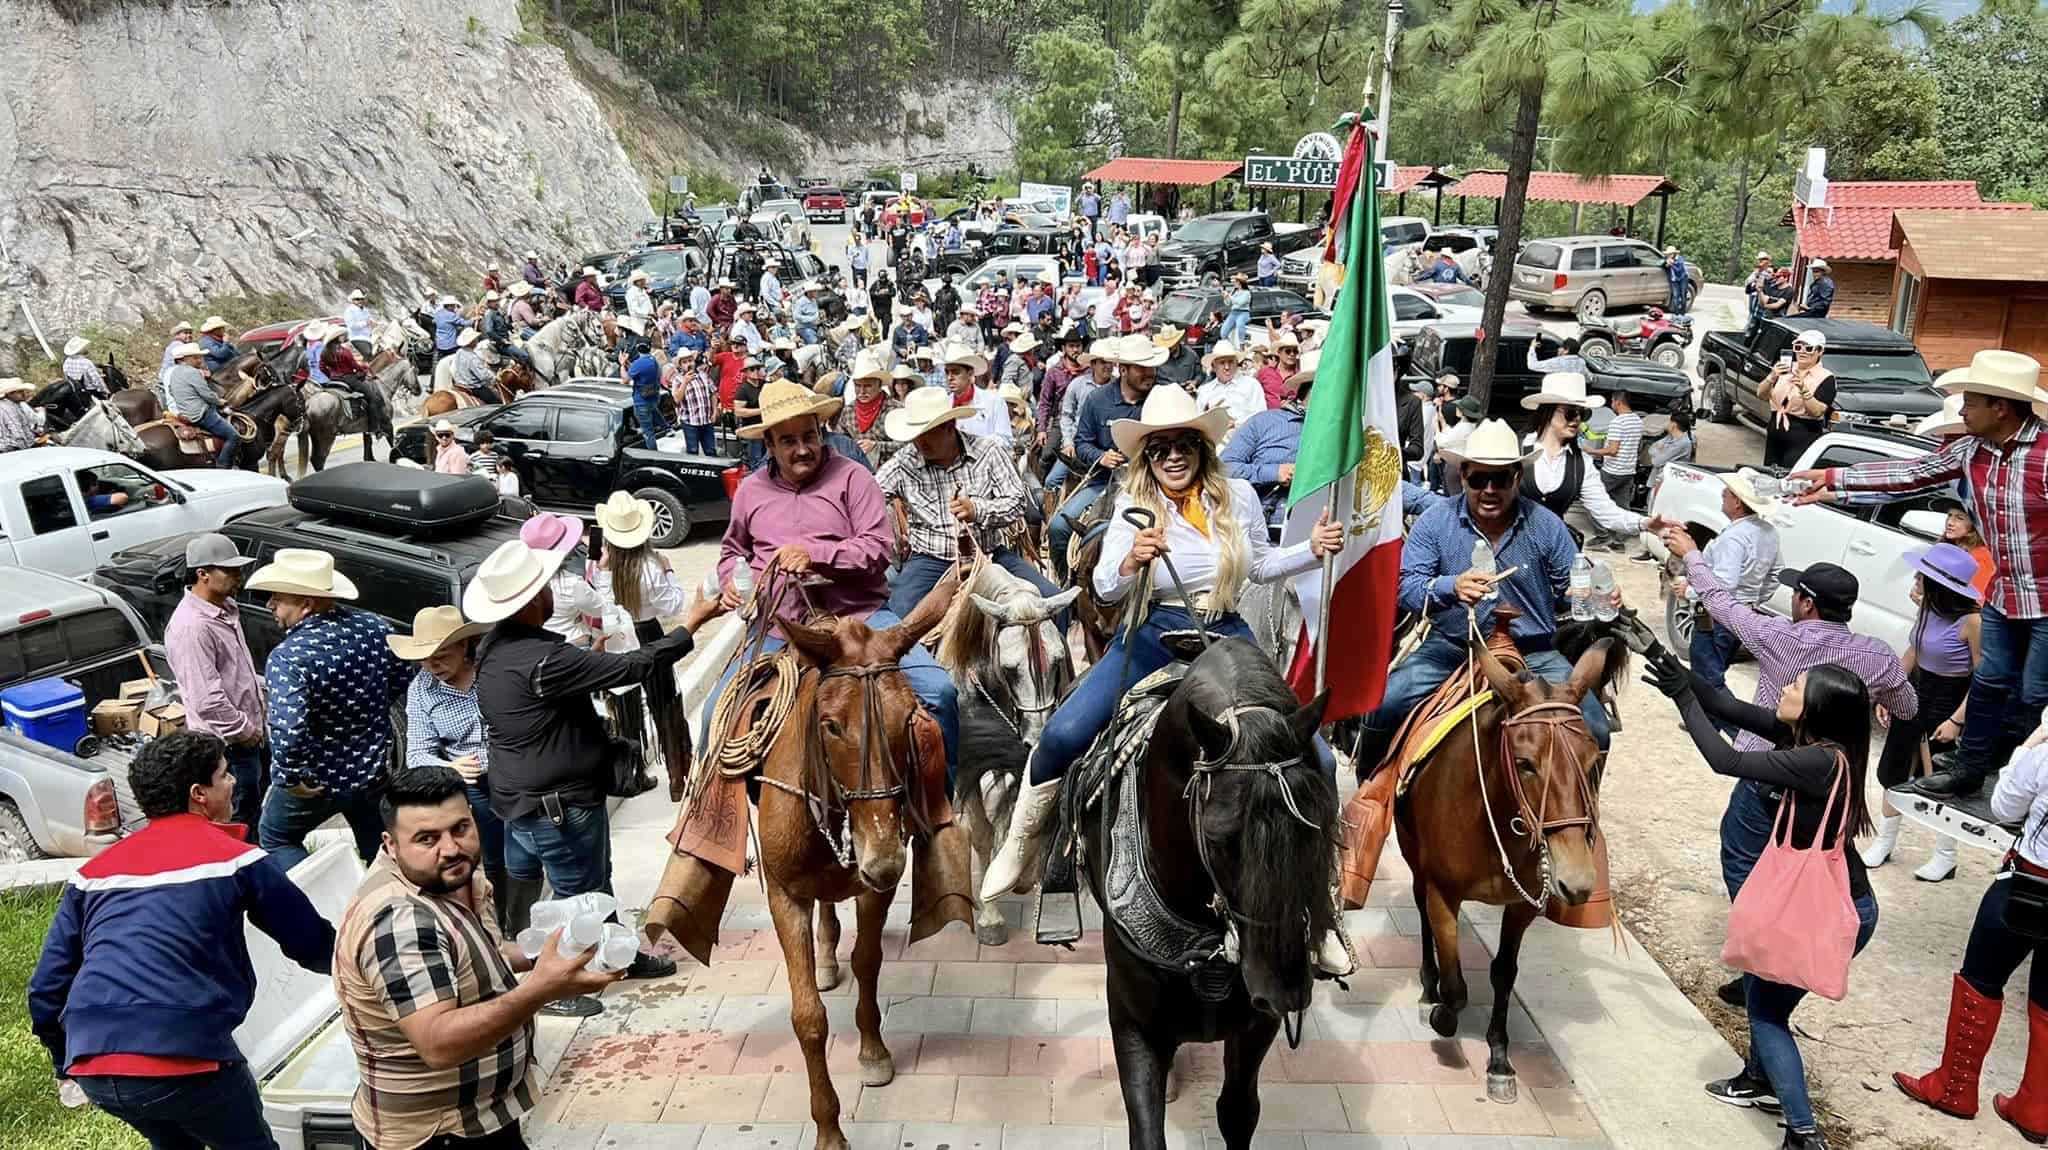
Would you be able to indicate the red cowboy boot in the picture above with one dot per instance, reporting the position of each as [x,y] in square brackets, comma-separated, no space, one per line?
[2028,1110]
[1952,1087]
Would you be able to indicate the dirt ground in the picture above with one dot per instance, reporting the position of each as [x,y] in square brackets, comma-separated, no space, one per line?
[1661,808]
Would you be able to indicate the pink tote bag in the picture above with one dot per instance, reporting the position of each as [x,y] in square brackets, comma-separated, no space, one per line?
[1794,921]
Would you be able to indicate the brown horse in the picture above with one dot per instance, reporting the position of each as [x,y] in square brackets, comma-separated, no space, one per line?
[1505,811]
[137,405]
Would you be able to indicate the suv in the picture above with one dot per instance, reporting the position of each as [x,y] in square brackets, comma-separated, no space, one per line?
[668,269]
[1190,308]
[1587,275]
[824,203]
[576,443]
[1226,242]
[1450,347]
[1878,372]
[47,520]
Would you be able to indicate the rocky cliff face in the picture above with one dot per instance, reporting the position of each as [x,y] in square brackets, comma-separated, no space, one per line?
[157,155]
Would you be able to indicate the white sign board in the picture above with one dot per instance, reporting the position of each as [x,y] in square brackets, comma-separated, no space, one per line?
[679,185]
[1810,184]
[1059,196]
[906,181]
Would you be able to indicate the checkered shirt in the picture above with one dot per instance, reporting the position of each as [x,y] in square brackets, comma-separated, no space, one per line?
[983,473]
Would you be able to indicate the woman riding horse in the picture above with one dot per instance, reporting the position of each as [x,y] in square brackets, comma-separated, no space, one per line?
[1203,535]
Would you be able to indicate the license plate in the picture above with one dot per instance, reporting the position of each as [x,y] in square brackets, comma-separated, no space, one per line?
[1526,277]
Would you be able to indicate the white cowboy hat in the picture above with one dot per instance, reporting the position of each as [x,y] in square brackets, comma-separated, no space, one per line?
[1139,351]
[1167,409]
[186,350]
[867,364]
[213,323]
[1742,481]
[1563,387]
[521,288]
[490,297]
[1306,368]
[744,309]
[432,629]
[960,355]
[1947,421]
[507,579]
[782,401]
[450,301]
[639,276]
[467,336]
[905,371]
[725,283]
[1012,394]
[1045,276]
[633,323]
[76,344]
[1493,443]
[358,294]
[302,571]
[2000,374]
[1224,349]
[186,325]
[1024,343]
[532,255]
[587,271]
[626,521]
[13,384]
[922,410]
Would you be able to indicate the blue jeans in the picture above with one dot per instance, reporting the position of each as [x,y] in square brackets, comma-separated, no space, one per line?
[647,408]
[1056,478]
[2015,662]
[1711,650]
[807,334]
[931,683]
[490,829]
[1745,828]
[575,856]
[251,768]
[1235,322]
[1773,1053]
[217,1108]
[1434,660]
[287,818]
[920,573]
[1061,531]
[1679,290]
[700,438]
[214,423]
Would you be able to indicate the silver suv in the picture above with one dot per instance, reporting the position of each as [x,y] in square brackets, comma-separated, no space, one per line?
[1588,275]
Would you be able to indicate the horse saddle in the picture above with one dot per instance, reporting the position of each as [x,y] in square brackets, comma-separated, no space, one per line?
[193,439]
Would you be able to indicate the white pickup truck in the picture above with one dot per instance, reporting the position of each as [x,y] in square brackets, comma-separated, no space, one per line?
[52,515]
[1869,540]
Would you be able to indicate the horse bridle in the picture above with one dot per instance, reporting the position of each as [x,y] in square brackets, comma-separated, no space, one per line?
[1041,671]
[1530,822]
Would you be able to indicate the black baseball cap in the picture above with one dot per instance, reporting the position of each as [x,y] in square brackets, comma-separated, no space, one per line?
[1825,583]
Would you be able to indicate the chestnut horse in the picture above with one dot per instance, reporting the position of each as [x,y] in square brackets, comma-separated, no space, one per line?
[1505,811]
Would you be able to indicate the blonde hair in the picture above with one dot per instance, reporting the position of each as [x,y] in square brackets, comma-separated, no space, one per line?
[1224,529]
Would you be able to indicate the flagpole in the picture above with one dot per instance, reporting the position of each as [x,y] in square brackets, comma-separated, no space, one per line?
[1323,614]
[1394,9]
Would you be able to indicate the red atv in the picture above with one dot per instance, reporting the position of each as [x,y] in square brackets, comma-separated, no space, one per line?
[1658,337]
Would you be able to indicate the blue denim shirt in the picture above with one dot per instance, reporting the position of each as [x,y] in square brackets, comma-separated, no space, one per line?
[1439,549]
[331,682]
[447,325]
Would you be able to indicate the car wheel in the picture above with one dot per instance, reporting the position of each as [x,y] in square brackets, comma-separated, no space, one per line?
[1592,306]
[1596,346]
[17,845]
[1678,625]
[671,518]
[1718,401]
[1669,354]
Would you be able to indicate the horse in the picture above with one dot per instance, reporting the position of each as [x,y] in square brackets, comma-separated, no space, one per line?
[103,428]
[1215,831]
[63,403]
[1010,663]
[256,418]
[137,405]
[555,348]
[1098,619]
[1470,831]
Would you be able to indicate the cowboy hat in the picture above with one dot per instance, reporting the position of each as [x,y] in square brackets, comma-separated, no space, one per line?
[1306,369]
[625,521]
[1492,444]
[1948,565]
[1169,336]
[586,272]
[532,255]
[922,410]
[302,571]
[1224,349]
[639,276]
[358,294]
[521,288]
[432,629]
[867,364]
[1563,387]
[213,323]
[490,297]
[1012,394]
[904,371]
[76,344]
[1742,482]
[782,401]
[507,580]
[15,383]
[549,532]
[450,301]
[1947,421]
[633,323]
[186,350]
[1167,409]
[468,336]
[2001,375]
[1024,343]
[443,427]
[186,325]
[725,283]
[744,309]
[1139,351]
[960,355]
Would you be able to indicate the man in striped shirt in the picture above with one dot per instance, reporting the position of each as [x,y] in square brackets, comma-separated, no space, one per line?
[1618,454]
[442,1031]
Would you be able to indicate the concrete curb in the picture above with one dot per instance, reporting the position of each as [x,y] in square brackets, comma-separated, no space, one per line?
[38,873]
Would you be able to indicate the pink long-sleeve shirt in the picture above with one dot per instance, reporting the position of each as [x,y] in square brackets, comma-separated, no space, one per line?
[839,517]
[215,672]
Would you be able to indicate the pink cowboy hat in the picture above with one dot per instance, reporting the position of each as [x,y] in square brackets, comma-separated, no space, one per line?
[548,532]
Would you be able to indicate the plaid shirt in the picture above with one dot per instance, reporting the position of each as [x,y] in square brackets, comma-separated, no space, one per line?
[400,951]
[1783,648]
[697,397]
[983,473]
[2008,491]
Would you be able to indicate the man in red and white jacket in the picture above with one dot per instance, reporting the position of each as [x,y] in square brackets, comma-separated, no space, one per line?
[145,973]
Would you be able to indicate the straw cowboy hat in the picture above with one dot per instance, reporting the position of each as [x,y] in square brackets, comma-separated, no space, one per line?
[302,571]
[867,364]
[490,297]
[782,401]
[2001,375]
[1169,336]
[588,272]
[213,323]
[625,521]
[1565,387]
[186,350]
[1306,369]
[76,344]
[1224,349]
[443,427]
[357,295]
[1493,444]
[1947,421]
[922,410]
[1742,481]
[449,301]
[186,325]
[468,336]
[1167,409]
[1024,343]
[639,276]
[960,355]
[633,323]
[904,371]
[507,580]
[432,629]
[521,288]
[1139,351]
[15,385]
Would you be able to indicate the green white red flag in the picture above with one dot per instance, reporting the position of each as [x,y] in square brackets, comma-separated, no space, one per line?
[1349,462]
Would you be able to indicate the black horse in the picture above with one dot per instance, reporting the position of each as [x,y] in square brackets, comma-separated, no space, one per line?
[62,403]
[1238,825]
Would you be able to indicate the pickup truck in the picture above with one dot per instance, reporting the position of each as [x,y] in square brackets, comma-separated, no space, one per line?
[1870,540]
[1878,372]
[1226,242]
[1450,347]
[47,520]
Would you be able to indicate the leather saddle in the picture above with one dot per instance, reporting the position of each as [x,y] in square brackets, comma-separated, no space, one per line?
[193,439]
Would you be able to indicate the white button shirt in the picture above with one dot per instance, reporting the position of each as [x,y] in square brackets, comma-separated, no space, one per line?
[2023,790]
[991,418]
[1194,554]
[1240,395]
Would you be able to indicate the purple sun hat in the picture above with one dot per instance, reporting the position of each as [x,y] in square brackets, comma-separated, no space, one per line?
[1948,565]
[549,532]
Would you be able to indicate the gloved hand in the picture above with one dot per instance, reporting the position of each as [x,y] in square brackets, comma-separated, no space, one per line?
[1664,672]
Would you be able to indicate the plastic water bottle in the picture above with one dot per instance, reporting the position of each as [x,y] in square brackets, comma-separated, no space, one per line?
[585,931]
[550,916]
[532,941]
[615,949]
[1581,594]
[1767,486]
[1483,561]
[742,580]
[1793,488]
[1606,599]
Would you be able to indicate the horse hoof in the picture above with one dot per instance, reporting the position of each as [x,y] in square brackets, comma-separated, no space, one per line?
[826,975]
[1500,1088]
[992,933]
[1443,1020]
[878,1071]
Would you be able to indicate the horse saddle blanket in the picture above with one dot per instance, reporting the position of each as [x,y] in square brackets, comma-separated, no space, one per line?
[351,400]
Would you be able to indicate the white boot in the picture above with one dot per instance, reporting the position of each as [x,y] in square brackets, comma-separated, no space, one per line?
[1029,822]
[1940,866]
[1880,848]
[1333,954]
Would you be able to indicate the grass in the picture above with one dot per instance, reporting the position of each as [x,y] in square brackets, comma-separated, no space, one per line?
[139,351]
[31,1118]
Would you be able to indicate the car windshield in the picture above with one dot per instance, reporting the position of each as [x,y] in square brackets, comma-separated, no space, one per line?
[1540,255]
[1460,297]
[1184,308]
[670,265]
[822,190]
[1203,231]
[1905,369]
[714,215]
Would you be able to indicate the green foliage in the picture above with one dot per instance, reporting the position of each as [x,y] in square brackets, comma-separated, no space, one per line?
[1063,76]
[345,269]
[31,1118]
[1993,117]
[1879,123]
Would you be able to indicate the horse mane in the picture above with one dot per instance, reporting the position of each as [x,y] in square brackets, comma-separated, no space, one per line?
[1576,637]
[967,637]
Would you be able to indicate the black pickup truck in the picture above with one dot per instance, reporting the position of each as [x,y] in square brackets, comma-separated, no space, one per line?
[575,444]
[1226,242]
[1878,372]
[1654,388]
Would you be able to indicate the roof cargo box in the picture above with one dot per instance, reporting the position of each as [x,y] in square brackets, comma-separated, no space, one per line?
[401,500]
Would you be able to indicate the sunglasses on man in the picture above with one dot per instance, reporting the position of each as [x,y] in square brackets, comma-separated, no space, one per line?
[1488,480]
[1162,448]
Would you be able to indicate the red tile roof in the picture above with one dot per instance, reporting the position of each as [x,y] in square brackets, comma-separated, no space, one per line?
[1408,179]
[1858,225]
[1566,187]
[1138,170]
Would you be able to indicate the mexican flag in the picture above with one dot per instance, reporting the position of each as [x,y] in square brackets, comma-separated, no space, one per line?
[1350,462]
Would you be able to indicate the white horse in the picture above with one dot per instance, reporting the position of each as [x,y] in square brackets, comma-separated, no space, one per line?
[103,428]
[570,344]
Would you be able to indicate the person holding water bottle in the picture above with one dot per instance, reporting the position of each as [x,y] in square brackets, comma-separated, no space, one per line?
[1179,505]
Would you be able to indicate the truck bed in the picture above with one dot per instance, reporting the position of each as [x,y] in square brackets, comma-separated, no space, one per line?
[1968,820]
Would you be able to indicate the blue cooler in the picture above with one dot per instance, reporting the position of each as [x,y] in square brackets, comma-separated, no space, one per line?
[50,711]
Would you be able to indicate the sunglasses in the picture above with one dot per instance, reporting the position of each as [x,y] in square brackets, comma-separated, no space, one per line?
[1486,480]
[1188,445]
[1577,414]
[1805,347]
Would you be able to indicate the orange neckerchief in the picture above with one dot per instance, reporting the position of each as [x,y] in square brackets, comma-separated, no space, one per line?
[1191,509]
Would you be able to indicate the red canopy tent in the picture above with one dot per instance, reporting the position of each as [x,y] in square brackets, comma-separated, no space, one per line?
[1574,189]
